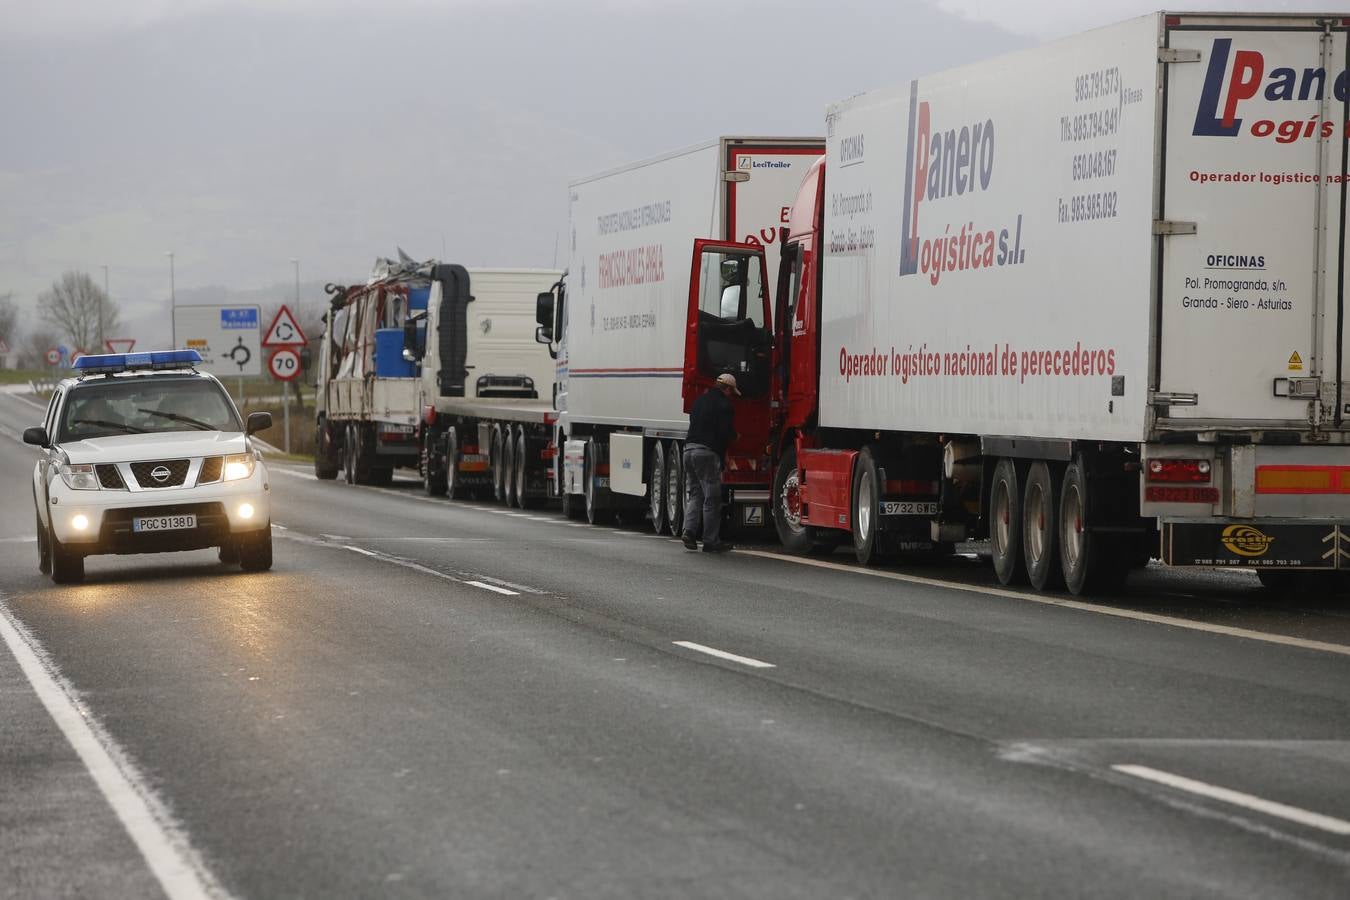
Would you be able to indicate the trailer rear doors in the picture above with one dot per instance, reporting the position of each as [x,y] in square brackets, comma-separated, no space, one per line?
[1251,228]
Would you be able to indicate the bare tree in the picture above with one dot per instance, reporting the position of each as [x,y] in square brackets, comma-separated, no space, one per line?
[78,309]
[9,322]
[33,351]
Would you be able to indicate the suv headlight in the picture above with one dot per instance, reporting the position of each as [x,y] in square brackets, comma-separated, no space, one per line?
[237,466]
[79,477]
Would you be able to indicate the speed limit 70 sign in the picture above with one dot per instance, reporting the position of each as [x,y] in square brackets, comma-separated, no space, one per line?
[284,365]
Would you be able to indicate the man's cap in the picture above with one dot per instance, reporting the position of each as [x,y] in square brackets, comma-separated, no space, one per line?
[729,380]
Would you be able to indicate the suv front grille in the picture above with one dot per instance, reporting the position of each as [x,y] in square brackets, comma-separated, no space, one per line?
[211,467]
[177,469]
[109,478]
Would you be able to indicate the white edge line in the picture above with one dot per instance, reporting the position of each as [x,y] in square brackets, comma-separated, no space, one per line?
[1238,798]
[722,654]
[23,399]
[492,587]
[1154,618]
[166,849]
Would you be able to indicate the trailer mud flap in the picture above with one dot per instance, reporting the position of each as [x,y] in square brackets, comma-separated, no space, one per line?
[1257,545]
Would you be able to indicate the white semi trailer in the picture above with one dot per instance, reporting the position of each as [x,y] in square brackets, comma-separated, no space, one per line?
[1086,300]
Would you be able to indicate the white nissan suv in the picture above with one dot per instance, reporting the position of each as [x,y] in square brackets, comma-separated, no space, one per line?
[141,453]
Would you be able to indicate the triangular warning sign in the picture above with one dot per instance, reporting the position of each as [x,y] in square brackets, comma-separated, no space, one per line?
[284,331]
[1295,362]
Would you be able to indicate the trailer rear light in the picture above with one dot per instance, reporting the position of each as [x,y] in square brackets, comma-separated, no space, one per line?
[469,449]
[1154,494]
[913,487]
[549,452]
[430,416]
[1303,479]
[1179,470]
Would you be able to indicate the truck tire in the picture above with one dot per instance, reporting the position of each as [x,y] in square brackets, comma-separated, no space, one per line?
[865,496]
[454,487]
[1040,528]
[360,454]
[495,451]
[1005,523]
[1090,563]
[675,487]
[595,514]
[433,469]
[510,452]
[349,455]
[795,537]
[67,565]
[326,459]
[523,496]
[382,475]
[255,551]
[44,548]
[656,488]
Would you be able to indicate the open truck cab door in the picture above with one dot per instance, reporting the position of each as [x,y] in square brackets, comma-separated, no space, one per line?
[730,329]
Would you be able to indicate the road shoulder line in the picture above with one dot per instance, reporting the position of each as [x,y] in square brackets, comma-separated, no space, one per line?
[1064,603]
[162,843]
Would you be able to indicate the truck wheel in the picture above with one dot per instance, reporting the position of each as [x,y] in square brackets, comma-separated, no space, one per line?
[523,496]
[675,487]
[454,487]
[44,548]
[433,470]
[1040,530]
[1090,563]
[383,475]
[349,455]
[1005,523]
[326,463]
[594,514]
[795,537]
[656,488]
[865,506]
[361,453]
[255,551]
[495,464]
[509,462]
[67,565]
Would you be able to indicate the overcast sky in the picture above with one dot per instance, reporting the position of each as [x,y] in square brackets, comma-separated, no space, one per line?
[241,135]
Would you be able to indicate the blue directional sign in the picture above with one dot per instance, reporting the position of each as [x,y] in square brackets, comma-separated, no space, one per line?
[244,318]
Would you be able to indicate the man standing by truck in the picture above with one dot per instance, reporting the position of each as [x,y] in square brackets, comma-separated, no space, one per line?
[710,430]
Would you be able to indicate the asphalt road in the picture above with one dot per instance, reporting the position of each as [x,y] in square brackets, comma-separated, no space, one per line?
[435,699]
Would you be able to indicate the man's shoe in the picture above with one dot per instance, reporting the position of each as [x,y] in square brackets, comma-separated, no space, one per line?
[689,542]
[719,547]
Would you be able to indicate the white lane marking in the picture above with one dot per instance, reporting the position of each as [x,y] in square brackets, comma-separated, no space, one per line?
[492,587]
[1238,798]
[1153,618]
[363,551]
[162,843]
[18,540]
[32,403]
[722,654]
[294,473]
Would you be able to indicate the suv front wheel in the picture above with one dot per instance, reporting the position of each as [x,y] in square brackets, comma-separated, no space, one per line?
[255,551]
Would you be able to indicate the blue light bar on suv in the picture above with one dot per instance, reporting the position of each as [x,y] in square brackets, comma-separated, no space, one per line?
[109,363]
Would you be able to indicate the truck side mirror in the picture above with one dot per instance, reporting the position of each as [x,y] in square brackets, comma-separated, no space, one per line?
[258,421]
[37,436]
[543,314]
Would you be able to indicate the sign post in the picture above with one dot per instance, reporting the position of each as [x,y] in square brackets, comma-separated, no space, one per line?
[284,334]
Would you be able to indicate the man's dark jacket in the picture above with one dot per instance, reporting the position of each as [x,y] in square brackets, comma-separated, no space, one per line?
[710,422]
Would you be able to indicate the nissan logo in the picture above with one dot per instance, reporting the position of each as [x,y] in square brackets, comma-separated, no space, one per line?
[160,473]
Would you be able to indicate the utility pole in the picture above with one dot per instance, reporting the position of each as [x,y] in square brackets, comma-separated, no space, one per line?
[173,305]
[106,297]
[286,385]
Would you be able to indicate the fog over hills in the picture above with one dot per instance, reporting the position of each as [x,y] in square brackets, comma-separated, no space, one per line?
[240,138]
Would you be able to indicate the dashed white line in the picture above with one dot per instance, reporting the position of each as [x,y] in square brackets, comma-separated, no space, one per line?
[492,587]
[1238,798]
[722,654]
[165,848]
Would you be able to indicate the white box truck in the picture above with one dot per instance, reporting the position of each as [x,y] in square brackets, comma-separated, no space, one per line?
[618,331]
[1086,300]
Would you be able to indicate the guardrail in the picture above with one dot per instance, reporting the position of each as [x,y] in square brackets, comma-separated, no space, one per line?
[42,385]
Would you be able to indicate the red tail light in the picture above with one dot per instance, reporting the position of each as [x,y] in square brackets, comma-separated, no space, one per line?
[1179,470]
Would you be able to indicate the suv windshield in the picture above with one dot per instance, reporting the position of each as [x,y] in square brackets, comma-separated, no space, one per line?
[144,405]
